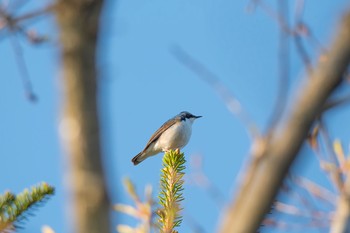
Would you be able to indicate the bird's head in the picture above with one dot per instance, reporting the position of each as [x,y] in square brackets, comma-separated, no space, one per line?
[188,116]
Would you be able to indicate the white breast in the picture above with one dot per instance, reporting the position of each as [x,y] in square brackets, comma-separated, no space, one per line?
[177,136]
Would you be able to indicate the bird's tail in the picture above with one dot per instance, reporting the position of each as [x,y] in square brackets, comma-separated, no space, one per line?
[138,158]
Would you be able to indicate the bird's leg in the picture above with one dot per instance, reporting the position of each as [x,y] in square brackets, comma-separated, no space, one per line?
[177,150]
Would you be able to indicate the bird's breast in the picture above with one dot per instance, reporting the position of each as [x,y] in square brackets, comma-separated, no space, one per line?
[177,136]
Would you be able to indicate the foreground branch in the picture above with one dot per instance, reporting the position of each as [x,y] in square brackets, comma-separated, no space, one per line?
[78,22]
[269,167]
[341,218]
[15,209]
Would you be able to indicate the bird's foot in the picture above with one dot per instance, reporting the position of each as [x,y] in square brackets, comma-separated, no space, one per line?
[177,150]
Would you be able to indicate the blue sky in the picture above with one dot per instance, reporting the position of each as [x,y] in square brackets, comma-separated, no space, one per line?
[143,85]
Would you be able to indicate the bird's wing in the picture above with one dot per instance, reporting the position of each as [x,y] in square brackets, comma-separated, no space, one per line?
[157,134]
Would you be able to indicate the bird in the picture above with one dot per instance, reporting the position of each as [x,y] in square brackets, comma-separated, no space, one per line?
[174,134]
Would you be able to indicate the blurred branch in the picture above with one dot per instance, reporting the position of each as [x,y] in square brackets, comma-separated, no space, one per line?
[336,102]
[325,153]
[14,209]
[301,30]
[284,226]
[200,179]
[24,74]
[11,22]
[283,65]
[276,16]
[315,190]
[142,210]
[78,22]
[319,216]
[341,219]
[265,176]
[330,164]
[308,211]
[231,102]
[33,14]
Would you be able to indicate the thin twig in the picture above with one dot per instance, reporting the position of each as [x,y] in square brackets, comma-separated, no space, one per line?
[300,29]
[296,211]
[287,226]
[229,99]
[298,41]
[333,168]
[314,189]
[8,20]
[276,16]
[34,14]
[283,66]
[306,209]
[336,102]
[341,220]
[200,179]
[24,74]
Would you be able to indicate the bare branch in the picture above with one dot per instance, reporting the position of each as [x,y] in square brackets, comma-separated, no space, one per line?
[336,102]
[341,220]
[283,65]
[199,178]
[229,99]
[8,20]
[262,182]
[301,30]
[33,14]
[315,190]
[24,74]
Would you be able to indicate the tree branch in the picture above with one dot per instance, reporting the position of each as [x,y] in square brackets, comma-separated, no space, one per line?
[78,22]
[268,169]
[341,218]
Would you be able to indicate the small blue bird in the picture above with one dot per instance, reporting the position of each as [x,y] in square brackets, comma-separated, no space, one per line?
[173,134]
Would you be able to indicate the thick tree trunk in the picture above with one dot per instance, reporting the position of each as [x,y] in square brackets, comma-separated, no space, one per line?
[78,22]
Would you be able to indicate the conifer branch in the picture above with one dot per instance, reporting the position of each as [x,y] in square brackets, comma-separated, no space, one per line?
[14,209]
[170,196]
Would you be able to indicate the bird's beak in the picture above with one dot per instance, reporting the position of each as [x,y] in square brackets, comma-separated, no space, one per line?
[197,117]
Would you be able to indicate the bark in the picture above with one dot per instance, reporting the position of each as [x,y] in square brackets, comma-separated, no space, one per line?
[78,22]
[274,156]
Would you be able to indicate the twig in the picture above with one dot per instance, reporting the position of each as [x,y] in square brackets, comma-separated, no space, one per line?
[287,226]
[199,177]
[8,20]
[34,14]
[283,65]
[336,102]
[229,99]
[277,17]
[315,190]
[296,211]
[341,220]
[24,74]
[300,29]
